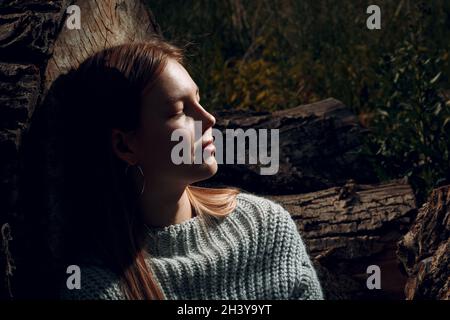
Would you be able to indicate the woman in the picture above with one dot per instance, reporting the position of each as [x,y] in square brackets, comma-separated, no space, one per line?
[135,225]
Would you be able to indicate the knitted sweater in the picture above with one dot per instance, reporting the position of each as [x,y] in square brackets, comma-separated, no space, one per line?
[255,252]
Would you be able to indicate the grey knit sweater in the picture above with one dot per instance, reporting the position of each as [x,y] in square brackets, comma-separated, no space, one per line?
[255,252]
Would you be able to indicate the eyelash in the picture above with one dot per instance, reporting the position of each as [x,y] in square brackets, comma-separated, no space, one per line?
[179,114]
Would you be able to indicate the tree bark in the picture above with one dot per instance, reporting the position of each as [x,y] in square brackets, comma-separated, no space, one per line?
[319,144]
[104,24]
[35,48]
[425,249]
[348,228]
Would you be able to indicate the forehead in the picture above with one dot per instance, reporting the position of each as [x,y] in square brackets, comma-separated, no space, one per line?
[173,82]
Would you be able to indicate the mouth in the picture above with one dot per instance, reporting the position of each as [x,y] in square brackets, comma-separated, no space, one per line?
[206,143]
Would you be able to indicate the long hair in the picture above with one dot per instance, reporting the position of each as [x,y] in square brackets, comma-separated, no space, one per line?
[101,219]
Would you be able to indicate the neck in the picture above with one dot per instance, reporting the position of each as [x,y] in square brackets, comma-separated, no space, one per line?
[162,207]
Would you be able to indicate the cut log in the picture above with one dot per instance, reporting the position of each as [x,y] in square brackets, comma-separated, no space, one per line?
[35,48]
[425,249]
[104,24]
[320,146]
[346,229]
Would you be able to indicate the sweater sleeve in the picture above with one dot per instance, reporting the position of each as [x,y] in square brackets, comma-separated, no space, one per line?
[306,281]
[96,284]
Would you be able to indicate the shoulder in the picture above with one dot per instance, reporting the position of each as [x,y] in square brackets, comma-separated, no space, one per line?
[270,219]
[284,245]
[96,283]
[280,228]
[269,212]
[259,204]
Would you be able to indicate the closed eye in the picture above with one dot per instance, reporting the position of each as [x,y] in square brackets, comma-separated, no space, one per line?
[177,109]
[178,114]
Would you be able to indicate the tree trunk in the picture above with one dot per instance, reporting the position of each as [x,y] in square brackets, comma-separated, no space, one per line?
[35,48]
[319,148]
[425,249]
[104,24]
[346,229]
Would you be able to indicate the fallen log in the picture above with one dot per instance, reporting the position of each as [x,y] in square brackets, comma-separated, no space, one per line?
[319,147]
[348,228]
[425,250]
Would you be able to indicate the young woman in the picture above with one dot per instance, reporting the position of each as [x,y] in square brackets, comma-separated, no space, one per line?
[135,225]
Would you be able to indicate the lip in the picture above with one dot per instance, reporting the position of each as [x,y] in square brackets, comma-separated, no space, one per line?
[206,143]
[210,148]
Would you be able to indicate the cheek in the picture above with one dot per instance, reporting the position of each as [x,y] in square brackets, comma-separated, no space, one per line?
[151,144]
[157,145]
[181,132]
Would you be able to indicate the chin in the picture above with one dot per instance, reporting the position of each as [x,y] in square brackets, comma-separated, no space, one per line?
[209,169]
[204,171]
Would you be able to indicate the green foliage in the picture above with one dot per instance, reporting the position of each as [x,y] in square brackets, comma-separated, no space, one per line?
[268,55]
[411,120]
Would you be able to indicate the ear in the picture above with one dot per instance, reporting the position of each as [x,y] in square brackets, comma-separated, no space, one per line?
[124,146]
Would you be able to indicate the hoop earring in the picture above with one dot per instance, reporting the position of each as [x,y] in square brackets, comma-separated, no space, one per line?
[141,173]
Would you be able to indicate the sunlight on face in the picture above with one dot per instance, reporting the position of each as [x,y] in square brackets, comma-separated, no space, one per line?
[173,103]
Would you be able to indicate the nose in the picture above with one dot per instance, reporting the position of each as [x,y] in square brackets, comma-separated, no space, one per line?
[207,119]
[211,120]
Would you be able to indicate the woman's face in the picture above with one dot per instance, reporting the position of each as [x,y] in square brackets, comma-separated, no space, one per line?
[173,103]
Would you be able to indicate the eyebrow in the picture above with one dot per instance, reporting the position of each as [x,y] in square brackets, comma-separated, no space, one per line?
[178,98]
